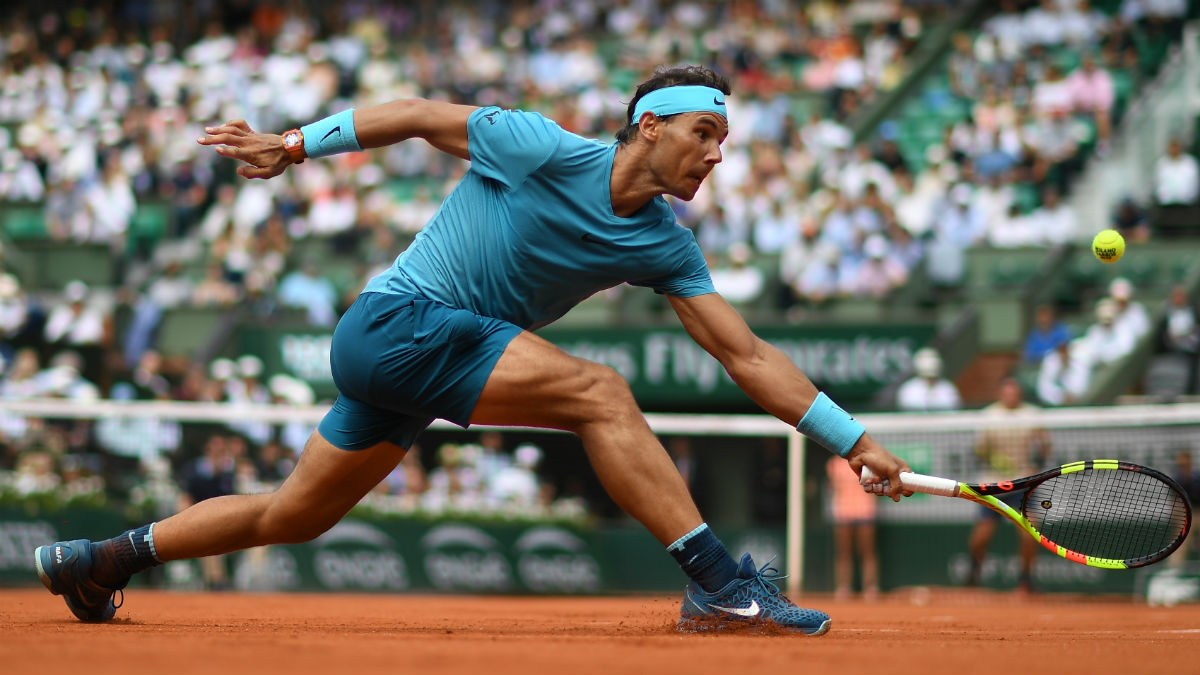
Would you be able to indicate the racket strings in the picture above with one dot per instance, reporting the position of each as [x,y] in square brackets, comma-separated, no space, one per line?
[1118,514]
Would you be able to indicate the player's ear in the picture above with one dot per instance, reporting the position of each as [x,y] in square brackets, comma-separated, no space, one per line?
[650,126]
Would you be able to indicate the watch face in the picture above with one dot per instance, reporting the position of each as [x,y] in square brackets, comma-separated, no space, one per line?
[291,139]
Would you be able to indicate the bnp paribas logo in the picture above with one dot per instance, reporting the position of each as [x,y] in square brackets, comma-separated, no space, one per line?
[464,557]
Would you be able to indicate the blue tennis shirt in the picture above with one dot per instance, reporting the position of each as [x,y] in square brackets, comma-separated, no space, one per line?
[529,232]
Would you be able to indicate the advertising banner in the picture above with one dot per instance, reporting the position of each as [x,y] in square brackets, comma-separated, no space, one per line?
[664,366]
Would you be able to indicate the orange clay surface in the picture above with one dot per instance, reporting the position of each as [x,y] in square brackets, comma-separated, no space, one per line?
[905,632]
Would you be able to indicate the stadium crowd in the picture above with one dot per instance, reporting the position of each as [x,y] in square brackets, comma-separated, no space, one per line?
[100,108]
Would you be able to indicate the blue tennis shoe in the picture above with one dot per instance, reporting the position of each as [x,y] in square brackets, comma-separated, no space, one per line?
[751,601]
[65,569]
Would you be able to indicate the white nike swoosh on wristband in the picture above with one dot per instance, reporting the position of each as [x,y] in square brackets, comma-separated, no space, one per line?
[752,610]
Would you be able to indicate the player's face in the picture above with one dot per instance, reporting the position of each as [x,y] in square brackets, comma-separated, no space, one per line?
[691,151]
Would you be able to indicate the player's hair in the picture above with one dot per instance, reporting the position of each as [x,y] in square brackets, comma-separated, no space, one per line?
[666,76]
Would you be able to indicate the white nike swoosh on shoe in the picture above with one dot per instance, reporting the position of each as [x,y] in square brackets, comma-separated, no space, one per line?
[752,610]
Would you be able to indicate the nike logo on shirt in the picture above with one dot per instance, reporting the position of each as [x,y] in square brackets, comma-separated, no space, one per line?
[336,130]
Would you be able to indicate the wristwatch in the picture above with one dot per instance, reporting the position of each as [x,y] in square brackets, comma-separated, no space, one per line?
[293,142]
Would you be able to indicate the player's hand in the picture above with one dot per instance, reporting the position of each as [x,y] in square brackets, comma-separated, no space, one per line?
[263,153]
[882,463]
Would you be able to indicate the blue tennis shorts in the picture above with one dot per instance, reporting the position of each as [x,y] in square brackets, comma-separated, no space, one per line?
[400,361]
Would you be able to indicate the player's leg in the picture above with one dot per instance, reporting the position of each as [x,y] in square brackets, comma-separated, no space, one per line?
[977,546]
[1027,549]
[843,560]
[537,384]
[534,383]
[865,534]
[326,483]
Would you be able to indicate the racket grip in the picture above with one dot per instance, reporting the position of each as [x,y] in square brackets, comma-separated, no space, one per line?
[916,482]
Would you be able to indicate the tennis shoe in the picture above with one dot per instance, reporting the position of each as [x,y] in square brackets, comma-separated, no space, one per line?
[65,569]
[750,601]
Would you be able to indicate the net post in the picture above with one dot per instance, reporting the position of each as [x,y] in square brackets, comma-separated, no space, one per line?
[795,513]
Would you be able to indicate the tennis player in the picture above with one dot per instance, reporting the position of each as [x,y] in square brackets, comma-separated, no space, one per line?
[542,220]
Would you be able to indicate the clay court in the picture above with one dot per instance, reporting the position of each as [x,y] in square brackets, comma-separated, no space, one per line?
[906,632]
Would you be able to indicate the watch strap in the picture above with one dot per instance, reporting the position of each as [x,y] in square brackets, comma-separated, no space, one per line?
[293,143]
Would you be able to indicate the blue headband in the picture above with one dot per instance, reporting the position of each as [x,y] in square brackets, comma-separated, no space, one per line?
[680,99]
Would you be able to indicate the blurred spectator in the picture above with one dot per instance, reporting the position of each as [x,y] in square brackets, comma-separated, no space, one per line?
[927,390]
[169,290]
[1106,341]
[680,450]
[214,290]
[22,321]
[516,489]
[221,373]
[35,474]
[306,289]
[1189,479]
[454,485]
[288,390]
[1052,94]
[1131,314]
[20,180]
[147,378]
[110,206]
[64,378]
[1006,452]
[880,272]
[245,388]
[739,282]
[853,514]
[148,438]
[1176,177]
[20,377]
[965,72]
[211,476]
[1014,229]
[1179,333]
[823,278]
[492,457]
[77,321]
[1092,93]
[1130,220]
[773,229]
[1047,334]
[1054,219]
[795,257]
[958,221]
[407,482]
[78,479]
[1064,374]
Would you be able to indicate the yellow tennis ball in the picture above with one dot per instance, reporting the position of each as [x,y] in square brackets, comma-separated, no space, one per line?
[1108,245]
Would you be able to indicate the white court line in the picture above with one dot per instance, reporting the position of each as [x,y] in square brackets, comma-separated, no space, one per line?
[1181,630]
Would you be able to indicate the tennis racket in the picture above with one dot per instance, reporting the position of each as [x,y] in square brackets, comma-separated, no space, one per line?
[1097,512]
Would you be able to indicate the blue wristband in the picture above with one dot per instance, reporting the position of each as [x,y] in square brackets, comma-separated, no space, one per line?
[831,426]
[331,135]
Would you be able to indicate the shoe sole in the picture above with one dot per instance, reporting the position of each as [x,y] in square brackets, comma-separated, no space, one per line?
[700,626]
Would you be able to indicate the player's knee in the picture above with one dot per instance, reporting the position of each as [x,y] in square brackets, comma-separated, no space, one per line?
[283,523]
[607,394]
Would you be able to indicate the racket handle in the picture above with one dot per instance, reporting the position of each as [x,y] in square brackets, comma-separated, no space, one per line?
[917,482]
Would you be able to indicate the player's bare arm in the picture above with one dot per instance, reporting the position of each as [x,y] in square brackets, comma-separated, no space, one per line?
[443,125]
[769,377]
